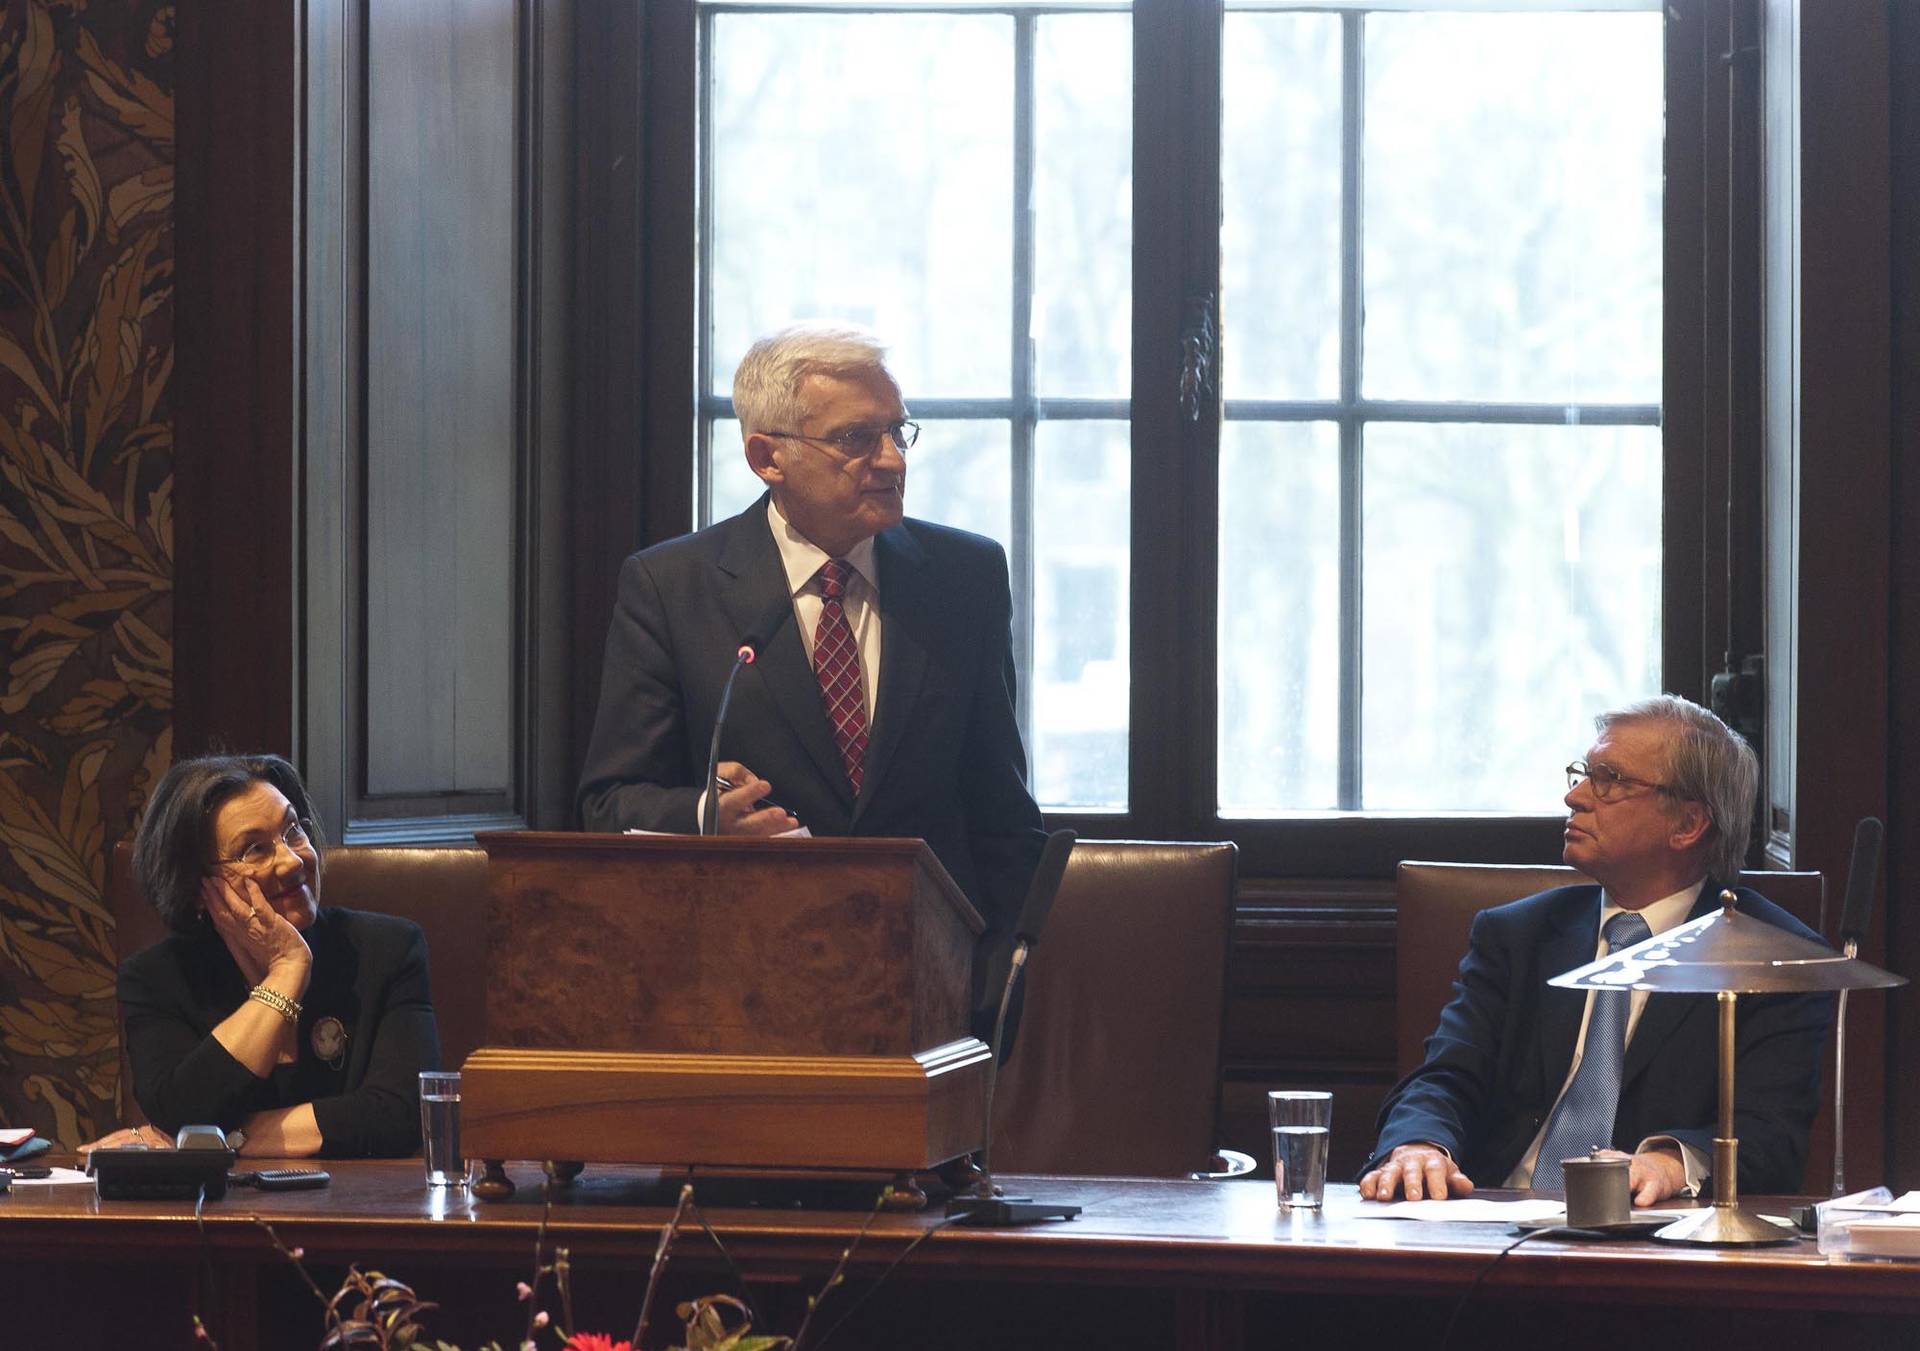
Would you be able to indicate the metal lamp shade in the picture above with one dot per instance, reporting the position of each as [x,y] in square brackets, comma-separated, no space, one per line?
[1727,952]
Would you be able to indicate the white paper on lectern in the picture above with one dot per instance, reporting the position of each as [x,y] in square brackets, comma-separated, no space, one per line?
[1465,1210]
[57,1177]
[798,833]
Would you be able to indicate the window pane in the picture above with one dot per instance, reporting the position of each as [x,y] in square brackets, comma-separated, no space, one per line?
[1279,735]
[960,473]
[1513,196]
[1280,199]
[862,169]
[1082,503]
[1512,592]
[1083,192]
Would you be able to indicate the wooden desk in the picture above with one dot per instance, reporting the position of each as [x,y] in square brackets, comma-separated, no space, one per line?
[1148,1263]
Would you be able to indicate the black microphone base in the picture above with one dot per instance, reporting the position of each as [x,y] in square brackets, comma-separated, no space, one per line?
[1004,1212]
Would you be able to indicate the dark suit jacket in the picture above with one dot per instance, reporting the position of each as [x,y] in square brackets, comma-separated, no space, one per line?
[369,971]
[944,761]
[1497,1061]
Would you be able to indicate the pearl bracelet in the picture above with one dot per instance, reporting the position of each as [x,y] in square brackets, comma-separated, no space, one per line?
[276,1001]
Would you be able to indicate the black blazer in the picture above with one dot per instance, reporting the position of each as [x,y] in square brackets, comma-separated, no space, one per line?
[369,972]
[1497,1061]
[944,762]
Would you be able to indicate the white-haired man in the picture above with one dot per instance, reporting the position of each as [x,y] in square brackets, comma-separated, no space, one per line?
[882,702]
[1520,1075]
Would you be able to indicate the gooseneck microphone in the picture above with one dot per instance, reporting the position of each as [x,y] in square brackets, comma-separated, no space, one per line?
[1863,875]
[748,652]
[982,1203]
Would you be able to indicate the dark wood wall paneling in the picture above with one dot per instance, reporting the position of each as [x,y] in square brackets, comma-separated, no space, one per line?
[440,436]
[612,190]
[1310,1003]
[547,187]
[1903,835]
[436,271]
[331,314]
[1686,370]
[1841,706]
[235,536]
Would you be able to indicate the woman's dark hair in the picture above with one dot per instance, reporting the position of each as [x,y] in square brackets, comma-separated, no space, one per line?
[170,851]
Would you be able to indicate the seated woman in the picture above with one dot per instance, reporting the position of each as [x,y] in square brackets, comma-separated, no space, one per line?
[301,1028]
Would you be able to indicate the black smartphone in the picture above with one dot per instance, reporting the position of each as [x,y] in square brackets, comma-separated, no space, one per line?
[13,1170]
[283,1179]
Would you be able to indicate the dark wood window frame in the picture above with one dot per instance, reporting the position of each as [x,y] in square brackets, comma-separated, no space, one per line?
[1176,213]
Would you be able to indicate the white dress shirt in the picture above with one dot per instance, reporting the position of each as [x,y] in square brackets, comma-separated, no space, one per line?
[802,559]
[1662,915]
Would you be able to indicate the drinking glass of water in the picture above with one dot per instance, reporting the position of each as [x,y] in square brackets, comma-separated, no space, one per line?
[440,1128]
[1300,1120]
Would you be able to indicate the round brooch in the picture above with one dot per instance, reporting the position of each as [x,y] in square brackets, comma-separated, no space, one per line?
[330,1040]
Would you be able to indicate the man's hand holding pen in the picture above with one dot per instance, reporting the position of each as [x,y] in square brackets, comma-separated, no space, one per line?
[746,805]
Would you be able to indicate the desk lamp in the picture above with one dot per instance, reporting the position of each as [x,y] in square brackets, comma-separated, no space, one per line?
[1726,954]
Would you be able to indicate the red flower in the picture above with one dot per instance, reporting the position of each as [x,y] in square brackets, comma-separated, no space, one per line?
[595,1341]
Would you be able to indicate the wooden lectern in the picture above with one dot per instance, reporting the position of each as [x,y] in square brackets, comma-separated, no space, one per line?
[734,1003]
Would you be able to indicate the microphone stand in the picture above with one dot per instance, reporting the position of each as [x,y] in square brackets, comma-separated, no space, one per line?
[745,655]
[1863,874]
[983,1204]
[710,817]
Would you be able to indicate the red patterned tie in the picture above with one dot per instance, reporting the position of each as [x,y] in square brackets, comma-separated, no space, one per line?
[836,661]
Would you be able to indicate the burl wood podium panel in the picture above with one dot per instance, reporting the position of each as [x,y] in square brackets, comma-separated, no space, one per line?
[725,1002]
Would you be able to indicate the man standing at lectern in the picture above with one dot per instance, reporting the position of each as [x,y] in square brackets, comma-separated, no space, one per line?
[1520,1075]
[881,701]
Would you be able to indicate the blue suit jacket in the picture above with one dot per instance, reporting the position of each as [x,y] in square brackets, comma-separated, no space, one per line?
[1498,1059]
[944,763]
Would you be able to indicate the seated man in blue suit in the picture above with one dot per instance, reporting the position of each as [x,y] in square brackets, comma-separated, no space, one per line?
[882,699]
[1515,1080]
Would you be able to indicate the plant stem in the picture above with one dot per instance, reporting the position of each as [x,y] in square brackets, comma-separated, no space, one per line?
[539,1268]
[298,1265]
[660,1261]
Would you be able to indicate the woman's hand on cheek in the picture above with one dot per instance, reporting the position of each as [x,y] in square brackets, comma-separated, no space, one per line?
[260,939]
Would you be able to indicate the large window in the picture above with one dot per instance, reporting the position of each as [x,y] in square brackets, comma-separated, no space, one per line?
[1423,384]
[1440,470]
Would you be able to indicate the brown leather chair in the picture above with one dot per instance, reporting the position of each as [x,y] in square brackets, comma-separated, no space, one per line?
[1117,1066]
[1436,905]
[444,891]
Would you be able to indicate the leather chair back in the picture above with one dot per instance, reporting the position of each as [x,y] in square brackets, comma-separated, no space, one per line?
[444,891]
[1117,1066]
[1436,905]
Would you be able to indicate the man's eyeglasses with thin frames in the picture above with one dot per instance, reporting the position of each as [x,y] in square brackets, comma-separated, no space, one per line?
[1607,781]
[861,443]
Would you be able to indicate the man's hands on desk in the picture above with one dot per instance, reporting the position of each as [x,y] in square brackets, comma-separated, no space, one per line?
[1422,1172]
[1427,1172]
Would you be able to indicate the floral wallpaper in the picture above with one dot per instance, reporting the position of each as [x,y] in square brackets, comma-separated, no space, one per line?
[86,531]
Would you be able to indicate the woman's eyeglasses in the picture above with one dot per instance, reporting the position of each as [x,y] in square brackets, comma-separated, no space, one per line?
[263,851]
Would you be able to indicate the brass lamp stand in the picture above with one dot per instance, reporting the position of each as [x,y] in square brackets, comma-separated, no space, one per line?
[1726,954]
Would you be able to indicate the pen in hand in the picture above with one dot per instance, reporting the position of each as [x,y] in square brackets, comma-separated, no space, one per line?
[725,785]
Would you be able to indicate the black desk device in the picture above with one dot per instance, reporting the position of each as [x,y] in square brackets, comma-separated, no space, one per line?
[199,1160]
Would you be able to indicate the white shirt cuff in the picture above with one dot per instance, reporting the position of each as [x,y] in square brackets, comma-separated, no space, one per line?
[1696,1161]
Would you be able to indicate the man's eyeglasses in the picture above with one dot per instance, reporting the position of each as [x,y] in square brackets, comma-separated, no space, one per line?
[262,852]
[861,443]
[1607,781]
